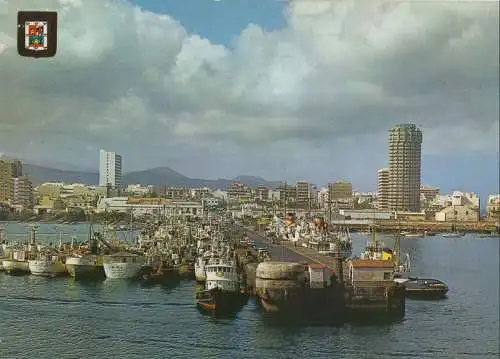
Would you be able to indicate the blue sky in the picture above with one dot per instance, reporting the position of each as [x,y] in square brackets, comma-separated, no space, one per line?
[219,21]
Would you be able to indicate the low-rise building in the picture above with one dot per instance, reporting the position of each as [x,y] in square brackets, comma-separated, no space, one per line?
[141,206]
[458,213]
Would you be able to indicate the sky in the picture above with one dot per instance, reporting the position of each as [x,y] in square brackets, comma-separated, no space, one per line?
[297,90]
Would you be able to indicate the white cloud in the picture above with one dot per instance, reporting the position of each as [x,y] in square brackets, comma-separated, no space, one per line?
[133,81]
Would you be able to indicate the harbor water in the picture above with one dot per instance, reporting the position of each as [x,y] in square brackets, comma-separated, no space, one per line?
[46,318]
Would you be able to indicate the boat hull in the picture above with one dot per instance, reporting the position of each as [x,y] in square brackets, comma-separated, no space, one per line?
[15,267]
[85,268]
[426,293]
[122,270]
[162,276]
[85,271]
[44,268]
[218,301]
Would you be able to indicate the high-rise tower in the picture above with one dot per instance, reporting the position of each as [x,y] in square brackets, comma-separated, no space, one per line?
[110,169]
[405,148]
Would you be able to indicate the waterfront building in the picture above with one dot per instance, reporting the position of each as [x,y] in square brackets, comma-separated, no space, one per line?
[140,206]
[110,169]
[405,145]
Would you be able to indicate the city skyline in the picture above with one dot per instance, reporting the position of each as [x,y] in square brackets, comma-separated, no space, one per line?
[283,92]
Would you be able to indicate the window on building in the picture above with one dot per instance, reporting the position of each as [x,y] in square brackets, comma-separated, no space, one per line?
[387,275]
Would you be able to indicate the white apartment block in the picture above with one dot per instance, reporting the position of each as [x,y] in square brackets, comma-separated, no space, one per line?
[110,169]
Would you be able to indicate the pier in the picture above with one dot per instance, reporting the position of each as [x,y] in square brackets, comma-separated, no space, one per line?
[286,251]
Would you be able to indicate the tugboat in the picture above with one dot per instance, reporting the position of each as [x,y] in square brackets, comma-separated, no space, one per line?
[422,288]
[222,292]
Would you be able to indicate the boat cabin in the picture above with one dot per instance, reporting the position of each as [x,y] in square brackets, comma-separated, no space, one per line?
[369,272]
[318,275]
[222,275]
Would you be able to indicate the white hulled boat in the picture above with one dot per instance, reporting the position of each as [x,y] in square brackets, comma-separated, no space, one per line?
[47,265]
[123,265]
[16,262]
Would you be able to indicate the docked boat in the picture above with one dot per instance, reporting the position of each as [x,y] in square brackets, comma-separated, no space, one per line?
[47,265]
[85,266]
[16,263]
[159,271]
[222,292]
[123,265]
[423,288]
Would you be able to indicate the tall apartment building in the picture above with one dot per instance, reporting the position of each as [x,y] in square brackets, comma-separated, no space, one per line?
[383,188]
[22,190]
[110,169]
[303,193]
[405,147]
[9,169]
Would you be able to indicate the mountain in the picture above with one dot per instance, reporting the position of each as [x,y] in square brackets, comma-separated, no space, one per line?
[40,174]
[158,176]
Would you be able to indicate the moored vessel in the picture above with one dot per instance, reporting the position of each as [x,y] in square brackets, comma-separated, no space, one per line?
[47,265]
[222,292]
[123,265]
[16,263]
[423,288]
[85,266]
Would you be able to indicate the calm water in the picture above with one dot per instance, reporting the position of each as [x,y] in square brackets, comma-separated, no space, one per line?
[43,318]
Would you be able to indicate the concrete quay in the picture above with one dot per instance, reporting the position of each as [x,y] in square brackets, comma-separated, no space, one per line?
[286,251]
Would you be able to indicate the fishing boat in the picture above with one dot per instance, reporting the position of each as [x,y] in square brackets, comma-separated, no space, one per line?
[222,292]
[423,288]
[16,262]
[86,264]
[47,264]
[159,271]
[123,265]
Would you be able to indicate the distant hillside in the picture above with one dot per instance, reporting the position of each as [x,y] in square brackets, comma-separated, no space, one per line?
[40,174]
[159,176]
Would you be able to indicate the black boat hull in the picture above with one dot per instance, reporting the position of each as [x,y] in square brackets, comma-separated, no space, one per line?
[218,301]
